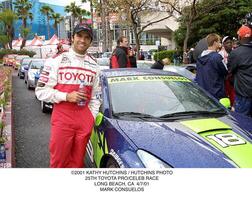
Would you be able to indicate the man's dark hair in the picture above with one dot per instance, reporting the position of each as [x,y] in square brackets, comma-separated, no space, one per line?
[120,39]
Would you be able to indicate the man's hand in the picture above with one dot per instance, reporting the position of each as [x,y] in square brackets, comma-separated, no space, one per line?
[75,97]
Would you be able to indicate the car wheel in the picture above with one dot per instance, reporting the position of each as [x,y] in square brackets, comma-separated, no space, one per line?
[111,163]
[43,108]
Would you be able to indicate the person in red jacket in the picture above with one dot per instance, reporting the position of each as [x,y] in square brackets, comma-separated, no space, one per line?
[59,82]
[119,58]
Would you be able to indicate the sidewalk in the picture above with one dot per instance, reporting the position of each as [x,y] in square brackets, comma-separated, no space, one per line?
[7,131]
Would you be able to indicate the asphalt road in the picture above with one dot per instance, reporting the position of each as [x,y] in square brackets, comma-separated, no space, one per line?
[31,127]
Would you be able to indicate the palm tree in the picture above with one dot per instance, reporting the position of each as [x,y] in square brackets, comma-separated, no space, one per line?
[91,10]
[73,9]
[4,40]
[82,13]
[57,19]
[8,17]
[47,10]
[22,9]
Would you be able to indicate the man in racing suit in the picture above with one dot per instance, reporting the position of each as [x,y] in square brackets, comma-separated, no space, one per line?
[59,82]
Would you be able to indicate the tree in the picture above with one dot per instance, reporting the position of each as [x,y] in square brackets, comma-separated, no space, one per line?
[22,9]
[8,17]
[82,14]
[91,9]
[57,19]
[136,10]
[47,11]
[4,40]
[222,17]
[73,10]
[76,12]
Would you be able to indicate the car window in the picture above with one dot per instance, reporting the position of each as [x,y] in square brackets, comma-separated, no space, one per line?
[25,61]
[159,97]
[37,64]
[103,62]
[145,65]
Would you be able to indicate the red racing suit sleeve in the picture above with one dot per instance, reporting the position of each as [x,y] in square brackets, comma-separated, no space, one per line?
[48,79]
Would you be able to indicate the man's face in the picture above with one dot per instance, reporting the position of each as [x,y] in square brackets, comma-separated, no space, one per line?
[124,42]
[228,45]
[217,45]
[81,42]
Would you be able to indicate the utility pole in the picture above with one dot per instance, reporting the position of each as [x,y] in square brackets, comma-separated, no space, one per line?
[103,25]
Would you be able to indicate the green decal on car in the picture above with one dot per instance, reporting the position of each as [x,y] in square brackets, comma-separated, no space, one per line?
[219,134]
[122,79]
[99,144]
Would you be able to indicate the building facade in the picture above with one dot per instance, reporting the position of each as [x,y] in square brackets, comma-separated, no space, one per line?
[38,26]
[158,35]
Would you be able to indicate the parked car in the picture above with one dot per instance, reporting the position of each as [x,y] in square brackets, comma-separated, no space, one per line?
[103,63]
[145,64]
[159,119]
[9,59]
[46,107]
[33,68]
[18,60]
[106,54]
[23,67]
[187,71]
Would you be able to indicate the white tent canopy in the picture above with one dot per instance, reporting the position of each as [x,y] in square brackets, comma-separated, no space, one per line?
[17,43]
[53,41]
[34,42]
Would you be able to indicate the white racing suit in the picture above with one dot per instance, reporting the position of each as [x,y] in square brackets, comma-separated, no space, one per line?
[71,124]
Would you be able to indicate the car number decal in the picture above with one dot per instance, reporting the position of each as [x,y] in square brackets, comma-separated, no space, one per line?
[226,140]
[221,136]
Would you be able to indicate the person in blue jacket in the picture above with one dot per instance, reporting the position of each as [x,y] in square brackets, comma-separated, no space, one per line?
[211,71]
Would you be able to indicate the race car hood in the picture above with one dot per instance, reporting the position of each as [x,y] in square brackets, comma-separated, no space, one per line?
[191,143]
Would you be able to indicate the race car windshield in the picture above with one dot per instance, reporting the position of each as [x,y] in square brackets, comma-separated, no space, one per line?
[159,98]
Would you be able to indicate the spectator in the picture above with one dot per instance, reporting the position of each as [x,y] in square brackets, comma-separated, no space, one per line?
[190,56]
[211,71]
[132,58]
[236,43]
[161,63]
[176,57]
[141,55]
[227,45]
[240,65]
[119,58]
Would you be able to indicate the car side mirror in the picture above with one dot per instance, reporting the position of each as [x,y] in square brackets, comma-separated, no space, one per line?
[225,102]
[98,119]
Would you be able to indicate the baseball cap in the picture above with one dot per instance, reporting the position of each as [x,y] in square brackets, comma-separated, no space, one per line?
[244,32]
[226,38]
[83,27]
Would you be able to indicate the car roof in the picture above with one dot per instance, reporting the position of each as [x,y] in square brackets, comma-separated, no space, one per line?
[37,59]
[135,72]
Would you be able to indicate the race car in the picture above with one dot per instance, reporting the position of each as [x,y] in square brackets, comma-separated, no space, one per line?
[160,119]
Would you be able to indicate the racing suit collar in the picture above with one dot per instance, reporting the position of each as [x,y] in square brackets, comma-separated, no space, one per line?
[77,54]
